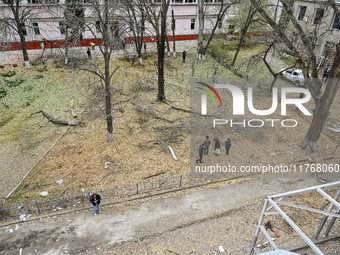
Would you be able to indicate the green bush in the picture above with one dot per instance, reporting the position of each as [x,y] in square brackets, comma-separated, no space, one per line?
[3,92]
[9,74]
[14,83]
[40,70]
[15,65]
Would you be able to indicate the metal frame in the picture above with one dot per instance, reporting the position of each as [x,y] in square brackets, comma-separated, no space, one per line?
[272,206]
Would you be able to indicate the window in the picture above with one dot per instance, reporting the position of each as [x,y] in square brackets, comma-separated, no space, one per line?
[177,1]
[34,1]
[36,28]
[7,1]
[231,29]
[192,24]
[141,26]
[336,23]
[190,1]
[24,30]
[302,12]
[98,26]
[114,29]
[220,23]
[62,28]
[318,16]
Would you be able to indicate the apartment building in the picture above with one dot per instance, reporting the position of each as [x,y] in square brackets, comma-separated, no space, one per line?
[47,19]
[318,17]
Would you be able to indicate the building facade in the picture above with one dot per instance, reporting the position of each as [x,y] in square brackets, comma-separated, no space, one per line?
[46,23]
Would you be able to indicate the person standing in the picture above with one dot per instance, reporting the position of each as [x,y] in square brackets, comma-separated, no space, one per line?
[145,47]
[200,153]
[328,72]
[206,144]
[95,200]
[324,75]
[184,55]
[88,53]
[217,145]
[227,146]
[123,44]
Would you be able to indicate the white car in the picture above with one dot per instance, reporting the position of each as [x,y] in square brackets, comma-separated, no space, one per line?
[293,75]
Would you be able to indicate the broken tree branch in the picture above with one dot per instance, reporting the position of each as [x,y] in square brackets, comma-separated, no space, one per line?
[59,122]
[72,109]
[36,164]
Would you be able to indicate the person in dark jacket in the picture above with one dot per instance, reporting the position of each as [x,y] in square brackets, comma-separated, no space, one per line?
[325,74]
[200,152]
[217,145]
[184,55]
[227,146]
[88,53]
[95,200]
[206,144]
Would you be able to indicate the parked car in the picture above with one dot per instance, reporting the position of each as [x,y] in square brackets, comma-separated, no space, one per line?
[293,75]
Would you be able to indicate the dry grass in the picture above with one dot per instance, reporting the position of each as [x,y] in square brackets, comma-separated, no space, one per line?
[143,128]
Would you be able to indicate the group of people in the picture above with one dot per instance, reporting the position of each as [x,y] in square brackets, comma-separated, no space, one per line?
[204,148]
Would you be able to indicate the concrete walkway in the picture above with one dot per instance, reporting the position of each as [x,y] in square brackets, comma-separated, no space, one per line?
[73,232]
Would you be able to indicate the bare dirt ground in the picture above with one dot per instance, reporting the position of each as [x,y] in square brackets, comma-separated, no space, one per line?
[190,222]
[138,152]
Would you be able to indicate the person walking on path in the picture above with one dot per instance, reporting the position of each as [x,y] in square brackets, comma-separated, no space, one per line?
[227,146]
[217,145]
[200,152]
[327,74]
[206,144]
[95,200]
[88,53]
[184,55]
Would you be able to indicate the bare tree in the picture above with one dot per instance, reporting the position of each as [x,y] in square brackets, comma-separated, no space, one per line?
[106,29]
[323,100]
[244,29]
[219,13]
[74,24]
[135,17]
[157,17]
[16,18]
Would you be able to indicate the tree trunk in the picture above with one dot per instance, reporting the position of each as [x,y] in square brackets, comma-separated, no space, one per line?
[243,33]
[200,29]
[24,49]
[108,113]
[161,90]
[322,106]
[66,47]
[161,53]
[173,34]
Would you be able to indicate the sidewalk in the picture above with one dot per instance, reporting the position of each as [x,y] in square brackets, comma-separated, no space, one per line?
[77,232]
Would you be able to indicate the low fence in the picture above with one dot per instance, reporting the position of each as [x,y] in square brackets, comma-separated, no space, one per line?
[113,195]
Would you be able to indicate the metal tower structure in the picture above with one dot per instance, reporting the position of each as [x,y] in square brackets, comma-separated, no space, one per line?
[278,206]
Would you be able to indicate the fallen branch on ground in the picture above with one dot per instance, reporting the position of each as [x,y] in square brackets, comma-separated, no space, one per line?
[59,122]
[72,109]
[36,164]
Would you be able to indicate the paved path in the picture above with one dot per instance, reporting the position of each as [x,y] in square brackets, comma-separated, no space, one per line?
[72,233]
